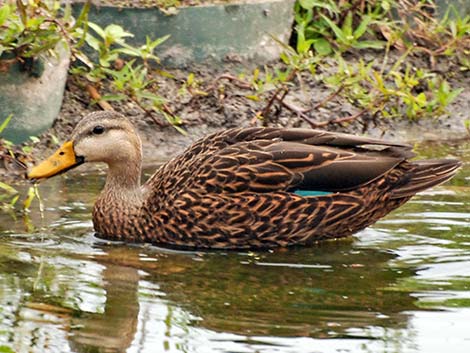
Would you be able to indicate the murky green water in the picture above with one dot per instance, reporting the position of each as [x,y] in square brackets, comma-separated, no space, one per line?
[400,286]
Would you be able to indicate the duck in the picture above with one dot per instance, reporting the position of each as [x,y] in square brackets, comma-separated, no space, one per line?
[245,187]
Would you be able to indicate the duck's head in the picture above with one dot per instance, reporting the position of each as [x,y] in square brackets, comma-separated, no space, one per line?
[106,137]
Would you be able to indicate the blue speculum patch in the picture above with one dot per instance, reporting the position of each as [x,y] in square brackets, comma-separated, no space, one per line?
[305,193]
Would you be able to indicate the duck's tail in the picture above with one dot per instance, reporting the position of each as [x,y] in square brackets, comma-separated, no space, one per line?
[425,174]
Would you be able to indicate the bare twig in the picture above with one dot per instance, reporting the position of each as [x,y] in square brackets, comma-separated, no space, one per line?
[148,112]
[237,81]
[299,113]
[326,100]
[343,120]
[167,110]
[94,94]
[282,88]
[267,107]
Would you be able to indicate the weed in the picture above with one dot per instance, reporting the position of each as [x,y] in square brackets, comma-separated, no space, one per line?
[402,91]
[8,194]
[128,79]
[192,86]
[133,83]
[327,25]
[5,123]
[449,36]
[8,197]
[330,28]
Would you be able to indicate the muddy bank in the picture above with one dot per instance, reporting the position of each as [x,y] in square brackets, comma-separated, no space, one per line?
[224,105]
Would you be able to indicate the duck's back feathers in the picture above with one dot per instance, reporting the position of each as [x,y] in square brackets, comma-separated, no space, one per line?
[274,159]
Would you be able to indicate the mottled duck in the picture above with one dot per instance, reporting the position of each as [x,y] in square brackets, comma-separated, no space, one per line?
[243,188]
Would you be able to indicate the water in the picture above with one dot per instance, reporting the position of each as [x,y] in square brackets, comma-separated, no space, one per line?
[402,285]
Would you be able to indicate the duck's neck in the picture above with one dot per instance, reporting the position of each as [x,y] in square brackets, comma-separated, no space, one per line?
[123,177]
[117,209]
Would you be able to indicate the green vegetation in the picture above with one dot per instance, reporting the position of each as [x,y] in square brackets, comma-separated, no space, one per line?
[37,28]
[403,90]
[327,26]
[377,24]
[8,194]
[34,29]
[378,55]
[29,30]
[330,34]
[129,80]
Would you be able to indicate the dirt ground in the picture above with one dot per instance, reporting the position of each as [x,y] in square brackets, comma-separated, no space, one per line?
[226,106]
[160,3]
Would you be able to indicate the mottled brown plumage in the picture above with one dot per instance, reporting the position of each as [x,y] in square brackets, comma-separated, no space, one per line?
[241,188]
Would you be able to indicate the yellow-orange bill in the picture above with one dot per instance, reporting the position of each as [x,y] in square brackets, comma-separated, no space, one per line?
[63,159]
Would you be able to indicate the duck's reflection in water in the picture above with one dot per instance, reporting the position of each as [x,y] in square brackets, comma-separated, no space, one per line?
[164,300]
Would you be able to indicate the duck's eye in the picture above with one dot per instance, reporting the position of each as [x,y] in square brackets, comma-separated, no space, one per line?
[98,130]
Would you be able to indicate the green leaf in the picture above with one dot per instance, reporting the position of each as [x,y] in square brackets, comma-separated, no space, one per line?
[421,99]
[252,97]
[180,130]
[467,125]
[379,80]
[29,198]
[6,349]
[9,189]
[150,96]
[5,123]
[362,28]
[98,30]
[369,44]
[67,11]
[322,46]
[347,25]
[129,51]
[4,13]
[153,44]
[83,16]
[452,95]
[337,31]
[385,4]
[27,149]
[190,79]
[285,58]
[307,4]
[93,42]
[304,46]
[12,203]
[164,73]
[115,33]
[114,97]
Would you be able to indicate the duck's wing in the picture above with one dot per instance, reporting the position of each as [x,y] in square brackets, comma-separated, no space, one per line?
[230,137]
[273,159]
